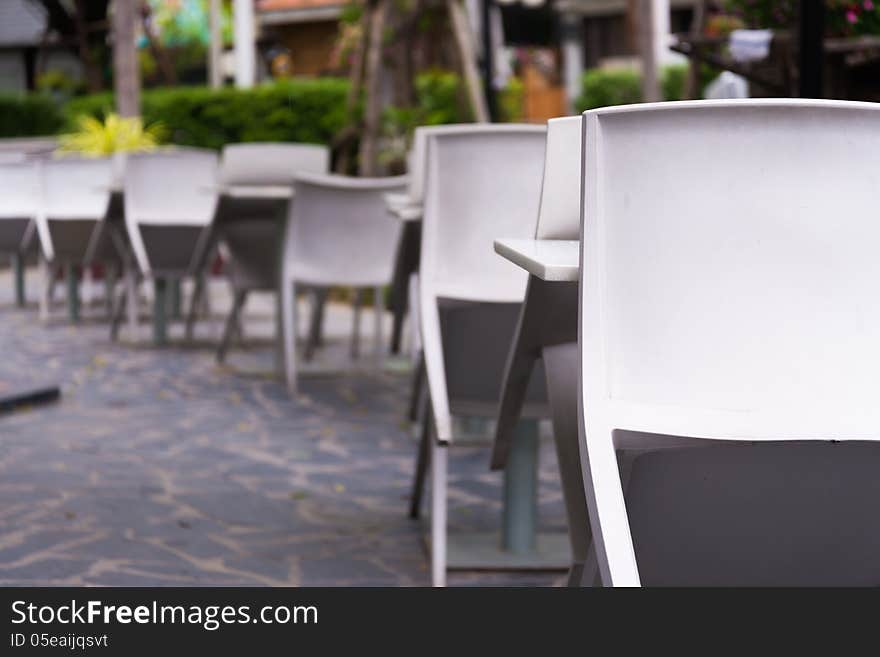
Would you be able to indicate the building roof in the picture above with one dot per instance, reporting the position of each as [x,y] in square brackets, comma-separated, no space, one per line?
[22,23]
[275,12]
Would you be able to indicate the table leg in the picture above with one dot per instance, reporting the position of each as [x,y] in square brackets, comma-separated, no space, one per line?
[519,546]
[174,299]
[160,307]
[18,268]
[520,514]
[72,292]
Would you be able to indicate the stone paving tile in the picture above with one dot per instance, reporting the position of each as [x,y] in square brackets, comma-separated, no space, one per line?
[160,468]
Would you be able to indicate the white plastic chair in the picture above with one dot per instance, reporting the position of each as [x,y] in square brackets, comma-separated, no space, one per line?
[479,185]
[252,228]
[19,205]
[170,198]
[338,233]
[729,293]
[75,199]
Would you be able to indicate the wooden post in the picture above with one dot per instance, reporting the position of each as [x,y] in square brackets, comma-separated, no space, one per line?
[648,52]
[692,84]
[126,76]
[369,162]
[465,43]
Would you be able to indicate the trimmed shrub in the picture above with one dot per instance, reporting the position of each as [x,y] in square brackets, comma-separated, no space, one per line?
[621,86]
[310,111]
[32,115]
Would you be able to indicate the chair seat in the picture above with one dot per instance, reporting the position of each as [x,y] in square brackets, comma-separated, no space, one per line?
[477,332]
[757,514]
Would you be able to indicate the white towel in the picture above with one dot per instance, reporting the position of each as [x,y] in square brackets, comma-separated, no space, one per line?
[750,45]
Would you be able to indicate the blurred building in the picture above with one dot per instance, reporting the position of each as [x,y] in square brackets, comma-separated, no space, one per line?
[26,47]
[306,30]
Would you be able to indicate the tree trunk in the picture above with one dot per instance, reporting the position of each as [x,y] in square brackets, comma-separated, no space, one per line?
[369,162]
[166,67]
[94,81]
[126,78]
[464,41]
[692,84]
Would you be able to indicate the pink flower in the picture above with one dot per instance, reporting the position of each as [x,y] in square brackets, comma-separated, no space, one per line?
[868,5]
[851,17]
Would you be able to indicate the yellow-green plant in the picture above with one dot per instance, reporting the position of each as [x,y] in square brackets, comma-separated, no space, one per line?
[115,134]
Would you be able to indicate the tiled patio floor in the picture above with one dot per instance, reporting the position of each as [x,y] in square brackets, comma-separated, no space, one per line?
[160,468]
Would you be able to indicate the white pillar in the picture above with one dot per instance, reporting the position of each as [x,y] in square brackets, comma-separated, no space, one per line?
[245,44]
[215,49]
[662,37]
[572,57]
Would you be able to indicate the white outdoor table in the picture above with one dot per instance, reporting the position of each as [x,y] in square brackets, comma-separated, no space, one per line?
[555,261]
[548,317]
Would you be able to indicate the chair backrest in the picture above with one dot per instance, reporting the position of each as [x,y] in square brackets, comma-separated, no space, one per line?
[165,192]
[76,188]
[481,185]
[176,187]
[559,216]
[271,163]
[19,190]
[417,159]
[729,269]
[339,230]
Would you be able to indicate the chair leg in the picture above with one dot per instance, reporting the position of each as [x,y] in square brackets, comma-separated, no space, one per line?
[45,288]
[18,267]
[356,324]
[204,280]
[131,302]
[231,323]
[439,456]
[110,289]
[313,338]
[378,307]
[316,323]
[397,330]
[194,303]
[417,387]
[288,321]
[423,458]
[117,313]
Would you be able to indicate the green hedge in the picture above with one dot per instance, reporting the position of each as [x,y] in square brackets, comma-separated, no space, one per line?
[622,86]
[29,116]
[310,111]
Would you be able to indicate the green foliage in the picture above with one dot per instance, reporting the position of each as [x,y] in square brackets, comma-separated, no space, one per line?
[605,87]
[310,111]
[115,134]
[511,101]
[438,98]
[29,116]
[438,102]
[842,17]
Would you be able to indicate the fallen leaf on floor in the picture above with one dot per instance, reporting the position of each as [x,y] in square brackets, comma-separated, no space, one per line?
[299,495]
[339,488]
